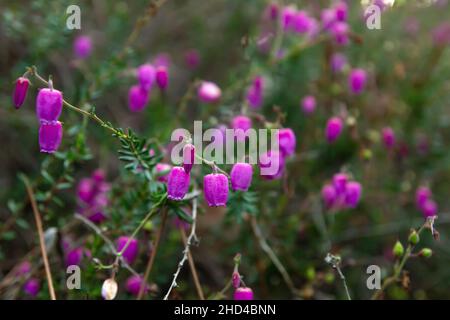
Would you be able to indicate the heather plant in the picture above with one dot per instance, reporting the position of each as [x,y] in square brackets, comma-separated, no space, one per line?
[361,161]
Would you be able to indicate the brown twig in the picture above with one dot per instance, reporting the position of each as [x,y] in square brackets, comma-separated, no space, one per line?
[153,254]
[41,237]
[198,286]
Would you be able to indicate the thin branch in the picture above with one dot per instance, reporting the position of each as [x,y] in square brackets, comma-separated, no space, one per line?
[40,230]
[186,252]
[273,257]
[153,254]
[335,261]
[198,286]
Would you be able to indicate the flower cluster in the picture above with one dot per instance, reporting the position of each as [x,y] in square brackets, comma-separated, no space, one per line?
[93,196]
[341,193]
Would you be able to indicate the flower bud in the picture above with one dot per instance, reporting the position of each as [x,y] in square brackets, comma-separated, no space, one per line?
[413,238]
[188,157]
[109,289]
[86,190]
[328,195]
[215,189]
[32,287]
[398,250]
[241,124]
[255,93]
[422,195]
[241,176]
[333,129]
[209,92]
[82,47]
[146,76]
[357,80]
[49,104]
[74,257]
[340,33]
[243,293]
[236,279]
[50,136]
[162,77]
[287,141]
[426,253]
[20,91]
[308,104]
[352,194]
[163,170]
[430,208]
[177,183]
[341,11]
[388,136]
[134,283]
[131,252]
[137,98]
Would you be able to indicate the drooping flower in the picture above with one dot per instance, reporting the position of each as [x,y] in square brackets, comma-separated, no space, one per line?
[50,136]
[328,195]
[352,194]
[241,176]
[287,17]
[20,91]
[271,165]
[341,11]
[357,80]
[146,74]
[131,251]
[162,77]
[82,46]
[388,136]
[74,256]
[137,98]
[241,124]
[287,141]
[134,283]
[243,293]
[308,104]
[255,93]
[333,129]
[215,189]
[209,92]
[340,32]
[177,183]
[162,171]
[188,157]
[340,183]
[93,196]
[49,104]
[32,287]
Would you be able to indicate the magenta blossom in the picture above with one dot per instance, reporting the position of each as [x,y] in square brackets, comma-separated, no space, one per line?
[82,46]
[162,171]
[137,98]
[32,287]
[162,77]
[338,62]
[177,183]
[188,157]
[255,93]
[20,91]
[357,80]
[134,283]
[241,124]
[146,75]
[333,129]
[388,136]
[272,165]
[287,141]
[308,104]
[131,251]
[49,104]
[209,92]
[328,195]
[215,189]
[50,136]
[241,176]
[243,293]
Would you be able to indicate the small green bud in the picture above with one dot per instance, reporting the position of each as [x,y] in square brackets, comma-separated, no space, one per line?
[329,277]
[310,273]
[426,252]
[398,249]
[413,238]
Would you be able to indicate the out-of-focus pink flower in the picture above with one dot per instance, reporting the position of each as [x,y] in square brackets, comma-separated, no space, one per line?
[82,46]
[441,34]
[209,92]
[192,58]
[32,287]
[308,104]
[388,136]
[357,80]
[134,283]
[338,62]
[333,129]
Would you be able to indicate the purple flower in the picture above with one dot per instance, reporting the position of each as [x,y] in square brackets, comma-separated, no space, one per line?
[32,287]
[388,136]
[338,62]
[98,175]
[146,76]
[328,18]
[74,257]
[357,80]
[20,91]
[188,157]
[86,190]
[163,170]
[271,165]
[177,183]
[162,60]
[301,22]
[287,141]
[131,251]
[287,17]
[340,183]
[137,98]
[272,11]
[241,176]
[82,46]
[162,77]
[341,11]
[352,194]
[429,209]
[49,104]
[340,32]
[50,136]
[192,58]
[23,269]
[209,92]
[215,189]
[255,93]
[441,34]
[134,283]
[241,124]
[333,129]
[308,104]
[243,293]
[328,195]
[422,195]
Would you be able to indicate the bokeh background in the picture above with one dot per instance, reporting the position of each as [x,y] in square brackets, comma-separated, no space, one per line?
[407,89]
